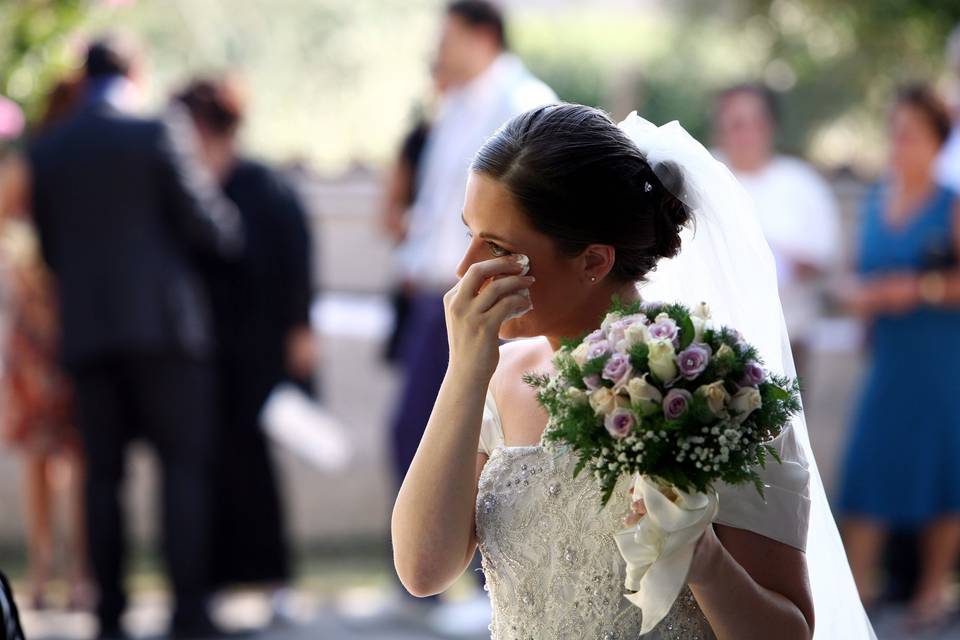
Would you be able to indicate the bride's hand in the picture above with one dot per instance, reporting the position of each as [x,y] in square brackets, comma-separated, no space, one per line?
[488,294]
[705,557]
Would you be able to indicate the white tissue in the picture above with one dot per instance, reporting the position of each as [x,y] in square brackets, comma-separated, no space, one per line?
[524,262]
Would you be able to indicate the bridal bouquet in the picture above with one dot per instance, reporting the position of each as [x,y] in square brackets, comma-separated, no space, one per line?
[661,394]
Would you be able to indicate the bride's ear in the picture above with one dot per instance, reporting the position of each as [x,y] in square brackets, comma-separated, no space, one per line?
[597,261]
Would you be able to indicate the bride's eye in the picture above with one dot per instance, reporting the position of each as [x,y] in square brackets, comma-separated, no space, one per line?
[497,250]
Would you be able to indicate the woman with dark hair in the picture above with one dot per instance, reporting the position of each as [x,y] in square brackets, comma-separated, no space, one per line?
[567,210]
[261,311]
[900,470]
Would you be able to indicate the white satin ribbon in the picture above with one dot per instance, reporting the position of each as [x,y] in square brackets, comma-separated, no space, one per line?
[659,549]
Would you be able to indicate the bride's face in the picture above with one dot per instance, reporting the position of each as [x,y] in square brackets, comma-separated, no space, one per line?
[497,227]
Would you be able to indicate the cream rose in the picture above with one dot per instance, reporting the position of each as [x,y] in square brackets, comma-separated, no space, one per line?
[744,402]
[602,401]
[576,395]
[635,334]
[644,395]
[724,351]
[662,360]
[701,310]
[716,396]
[609,320]
[579,354]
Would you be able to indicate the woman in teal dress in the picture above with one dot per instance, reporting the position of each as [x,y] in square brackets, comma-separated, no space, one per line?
[902,464]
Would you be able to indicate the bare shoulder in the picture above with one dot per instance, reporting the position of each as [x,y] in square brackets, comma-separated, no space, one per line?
[519,357]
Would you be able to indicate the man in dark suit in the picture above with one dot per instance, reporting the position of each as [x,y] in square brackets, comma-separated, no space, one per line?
[124,211]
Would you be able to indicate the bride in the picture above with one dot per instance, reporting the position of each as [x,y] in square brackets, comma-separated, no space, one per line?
[567,210]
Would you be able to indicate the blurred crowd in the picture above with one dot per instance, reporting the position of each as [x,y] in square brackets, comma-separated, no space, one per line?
[160,280]
[160,283]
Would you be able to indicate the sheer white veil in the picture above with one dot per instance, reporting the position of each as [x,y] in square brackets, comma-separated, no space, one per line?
[725,261]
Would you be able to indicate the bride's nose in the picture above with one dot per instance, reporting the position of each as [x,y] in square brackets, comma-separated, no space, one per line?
[470,256]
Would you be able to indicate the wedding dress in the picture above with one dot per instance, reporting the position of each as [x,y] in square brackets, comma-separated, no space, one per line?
[549,557]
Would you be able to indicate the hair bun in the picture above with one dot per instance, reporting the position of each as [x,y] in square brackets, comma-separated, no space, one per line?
[670,213]
[581,180]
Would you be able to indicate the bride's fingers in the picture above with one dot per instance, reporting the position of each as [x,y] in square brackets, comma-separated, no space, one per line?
[479,272]
[639,507]
[499,288]
[512,305]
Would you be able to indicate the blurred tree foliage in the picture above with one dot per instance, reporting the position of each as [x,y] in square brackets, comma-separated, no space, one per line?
[36,38]
[833,63]
[334,80]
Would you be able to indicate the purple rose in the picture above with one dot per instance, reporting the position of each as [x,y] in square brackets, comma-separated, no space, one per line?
[618,370]
[596,336]
[598,349]
[676,403]
[753,374]
[693,360]
[665,329]
[592,382]
[619,422]
[738,338]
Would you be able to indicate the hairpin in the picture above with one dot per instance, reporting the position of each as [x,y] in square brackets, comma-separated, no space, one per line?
[647,187]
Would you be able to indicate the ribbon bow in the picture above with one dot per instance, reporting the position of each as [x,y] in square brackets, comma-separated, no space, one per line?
[659,549]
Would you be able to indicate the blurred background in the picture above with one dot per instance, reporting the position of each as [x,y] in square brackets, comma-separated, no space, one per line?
[329,97]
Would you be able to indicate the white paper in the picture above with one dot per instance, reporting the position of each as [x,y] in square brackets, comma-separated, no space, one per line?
[296,422]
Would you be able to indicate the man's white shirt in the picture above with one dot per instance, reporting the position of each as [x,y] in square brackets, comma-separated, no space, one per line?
[799,216]
[436,239]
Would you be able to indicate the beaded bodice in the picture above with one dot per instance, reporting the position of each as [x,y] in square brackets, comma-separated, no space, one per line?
[551,564]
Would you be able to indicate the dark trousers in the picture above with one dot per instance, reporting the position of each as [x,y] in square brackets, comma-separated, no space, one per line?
[168,401]
[424,354]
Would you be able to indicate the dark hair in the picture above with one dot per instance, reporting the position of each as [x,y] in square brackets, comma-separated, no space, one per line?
[61,101]
[481,14]
[928,104]
[110,55]
[761,91]
[581,180]
[216,104]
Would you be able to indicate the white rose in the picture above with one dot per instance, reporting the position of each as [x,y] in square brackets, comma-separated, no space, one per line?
[644,394]
[609,320]
[661,317]
[702,311]
[578,396]
[602,401]
[716,396]
[662,359]
[579,354]
[635,334]
[744,402]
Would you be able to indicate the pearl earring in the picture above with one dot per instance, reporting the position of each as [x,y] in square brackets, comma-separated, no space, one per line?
[593,278]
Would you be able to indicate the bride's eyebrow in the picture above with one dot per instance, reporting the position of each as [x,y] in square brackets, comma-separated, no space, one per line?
[483,234]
